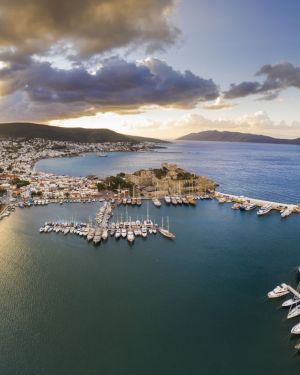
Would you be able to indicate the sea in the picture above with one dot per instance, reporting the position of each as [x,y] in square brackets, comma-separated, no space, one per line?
[193,305]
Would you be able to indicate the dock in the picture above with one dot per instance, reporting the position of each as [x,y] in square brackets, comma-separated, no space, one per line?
[258,202]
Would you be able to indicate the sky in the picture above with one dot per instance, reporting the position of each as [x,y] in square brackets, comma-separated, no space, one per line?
[159,68]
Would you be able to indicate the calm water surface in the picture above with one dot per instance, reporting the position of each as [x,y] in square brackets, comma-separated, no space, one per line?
[256,170]
[195,305]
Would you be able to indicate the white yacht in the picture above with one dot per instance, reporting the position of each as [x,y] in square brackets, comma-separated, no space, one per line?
[130,236]
[294,312]
[124,233]
[104,234]
[156,202]
[167,199]
[290,302]
[279,291]
[144,231]
[250,207]
[118,233]
[264,209]
[296,329]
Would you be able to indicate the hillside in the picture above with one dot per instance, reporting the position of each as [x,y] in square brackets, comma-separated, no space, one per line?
[226,136]
[30,130]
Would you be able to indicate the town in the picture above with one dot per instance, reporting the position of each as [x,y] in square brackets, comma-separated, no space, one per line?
[21,185]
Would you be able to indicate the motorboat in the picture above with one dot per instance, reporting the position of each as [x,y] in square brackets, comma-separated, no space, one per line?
[290,302]
[294,312]
[279,291]
[264,209]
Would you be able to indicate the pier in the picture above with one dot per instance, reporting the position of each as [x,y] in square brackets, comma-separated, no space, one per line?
[258,202]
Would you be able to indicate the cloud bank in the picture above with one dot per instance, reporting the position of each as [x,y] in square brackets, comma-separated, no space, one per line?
[117,86]
[91,26]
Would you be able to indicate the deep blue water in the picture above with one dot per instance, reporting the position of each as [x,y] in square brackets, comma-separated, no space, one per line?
[195,305]
[257,170]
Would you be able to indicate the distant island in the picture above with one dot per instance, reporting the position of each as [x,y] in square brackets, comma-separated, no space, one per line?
[227,136]
[57,133]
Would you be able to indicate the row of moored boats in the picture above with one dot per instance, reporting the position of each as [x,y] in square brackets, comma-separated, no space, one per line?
[292,303]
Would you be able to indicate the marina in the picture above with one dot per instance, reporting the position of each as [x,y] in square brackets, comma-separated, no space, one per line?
[235,255]
[104,227]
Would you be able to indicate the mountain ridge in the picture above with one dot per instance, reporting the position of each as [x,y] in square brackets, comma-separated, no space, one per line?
[228,136]
[30,130]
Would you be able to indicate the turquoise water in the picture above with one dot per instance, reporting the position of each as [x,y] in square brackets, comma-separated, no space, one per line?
[257,170]
[195,305]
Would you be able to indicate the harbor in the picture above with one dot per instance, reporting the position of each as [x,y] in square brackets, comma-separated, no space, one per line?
[235,255]
[104,227]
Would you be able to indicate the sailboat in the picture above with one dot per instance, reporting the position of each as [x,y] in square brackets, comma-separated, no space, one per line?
[165,232]
[155,199]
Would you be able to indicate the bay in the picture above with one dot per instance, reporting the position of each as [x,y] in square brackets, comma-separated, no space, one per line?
[193,305]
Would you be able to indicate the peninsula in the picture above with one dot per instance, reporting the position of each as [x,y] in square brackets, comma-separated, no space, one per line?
[227,136]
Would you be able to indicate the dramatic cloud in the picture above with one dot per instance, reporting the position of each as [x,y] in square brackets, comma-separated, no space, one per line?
[91,26]
[118,85]
[277,78]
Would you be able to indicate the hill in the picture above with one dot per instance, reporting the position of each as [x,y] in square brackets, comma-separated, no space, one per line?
[226,136]
[56,133]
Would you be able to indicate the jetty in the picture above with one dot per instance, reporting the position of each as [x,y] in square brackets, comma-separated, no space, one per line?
[246,204]
[258,202]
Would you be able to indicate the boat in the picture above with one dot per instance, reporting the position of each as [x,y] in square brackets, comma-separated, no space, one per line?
[174,201]
[279,291]
[166,232]
[167,199]
[286,212]
[144,231]
[264,209]
[124,233]
[185,201]
[104,234]
[156,202]
[294,312]
[118,233]
[236,206]
[250,207]
[179,200]
[296,329]
[290,302]
[101,154]
[130,236]
[98,236]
